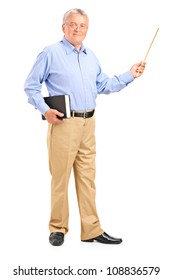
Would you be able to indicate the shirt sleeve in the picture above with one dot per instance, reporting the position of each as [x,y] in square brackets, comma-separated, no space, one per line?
[33,83]
[107,85]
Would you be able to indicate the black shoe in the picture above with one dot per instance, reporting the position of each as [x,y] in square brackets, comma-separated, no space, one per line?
[56,238]
[105,238]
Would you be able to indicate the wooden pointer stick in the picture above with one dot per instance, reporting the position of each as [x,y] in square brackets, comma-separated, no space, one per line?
[151,44]
[150,47]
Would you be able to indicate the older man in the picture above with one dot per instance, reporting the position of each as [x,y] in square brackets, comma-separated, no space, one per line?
[68,67]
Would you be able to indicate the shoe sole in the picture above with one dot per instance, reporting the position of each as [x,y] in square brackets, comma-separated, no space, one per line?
[93,240]
[55,243]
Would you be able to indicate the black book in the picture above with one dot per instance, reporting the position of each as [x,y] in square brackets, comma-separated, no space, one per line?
[60,103]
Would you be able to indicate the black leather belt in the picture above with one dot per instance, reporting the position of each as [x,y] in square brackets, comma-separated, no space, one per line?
[82,114]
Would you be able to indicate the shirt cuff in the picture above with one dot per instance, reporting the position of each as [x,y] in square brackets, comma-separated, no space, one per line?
[43,108]
[127,77]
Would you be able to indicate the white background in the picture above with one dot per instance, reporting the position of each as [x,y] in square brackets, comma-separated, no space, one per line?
[134,140]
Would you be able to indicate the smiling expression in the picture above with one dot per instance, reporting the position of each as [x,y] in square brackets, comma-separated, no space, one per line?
[75,29]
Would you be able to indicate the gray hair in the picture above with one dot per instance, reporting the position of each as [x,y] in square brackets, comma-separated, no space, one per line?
[74,11]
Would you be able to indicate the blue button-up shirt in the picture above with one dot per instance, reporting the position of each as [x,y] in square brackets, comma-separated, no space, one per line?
[67,71]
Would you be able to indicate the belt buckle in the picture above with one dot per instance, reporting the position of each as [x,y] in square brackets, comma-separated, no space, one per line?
[84,115]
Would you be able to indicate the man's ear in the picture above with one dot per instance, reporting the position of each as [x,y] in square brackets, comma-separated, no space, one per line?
[63,27]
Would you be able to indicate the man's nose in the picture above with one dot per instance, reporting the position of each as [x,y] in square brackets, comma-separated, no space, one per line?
[77,27]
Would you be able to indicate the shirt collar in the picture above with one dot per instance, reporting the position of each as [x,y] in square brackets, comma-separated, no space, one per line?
[70,48]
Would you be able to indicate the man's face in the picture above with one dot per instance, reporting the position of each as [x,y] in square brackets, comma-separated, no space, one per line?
[75,29]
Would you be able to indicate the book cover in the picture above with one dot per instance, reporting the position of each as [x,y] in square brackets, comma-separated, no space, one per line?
[60,103]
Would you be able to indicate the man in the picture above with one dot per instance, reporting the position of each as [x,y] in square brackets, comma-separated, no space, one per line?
[68,67]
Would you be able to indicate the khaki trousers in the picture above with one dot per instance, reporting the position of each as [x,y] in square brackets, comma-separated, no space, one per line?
[71,145]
